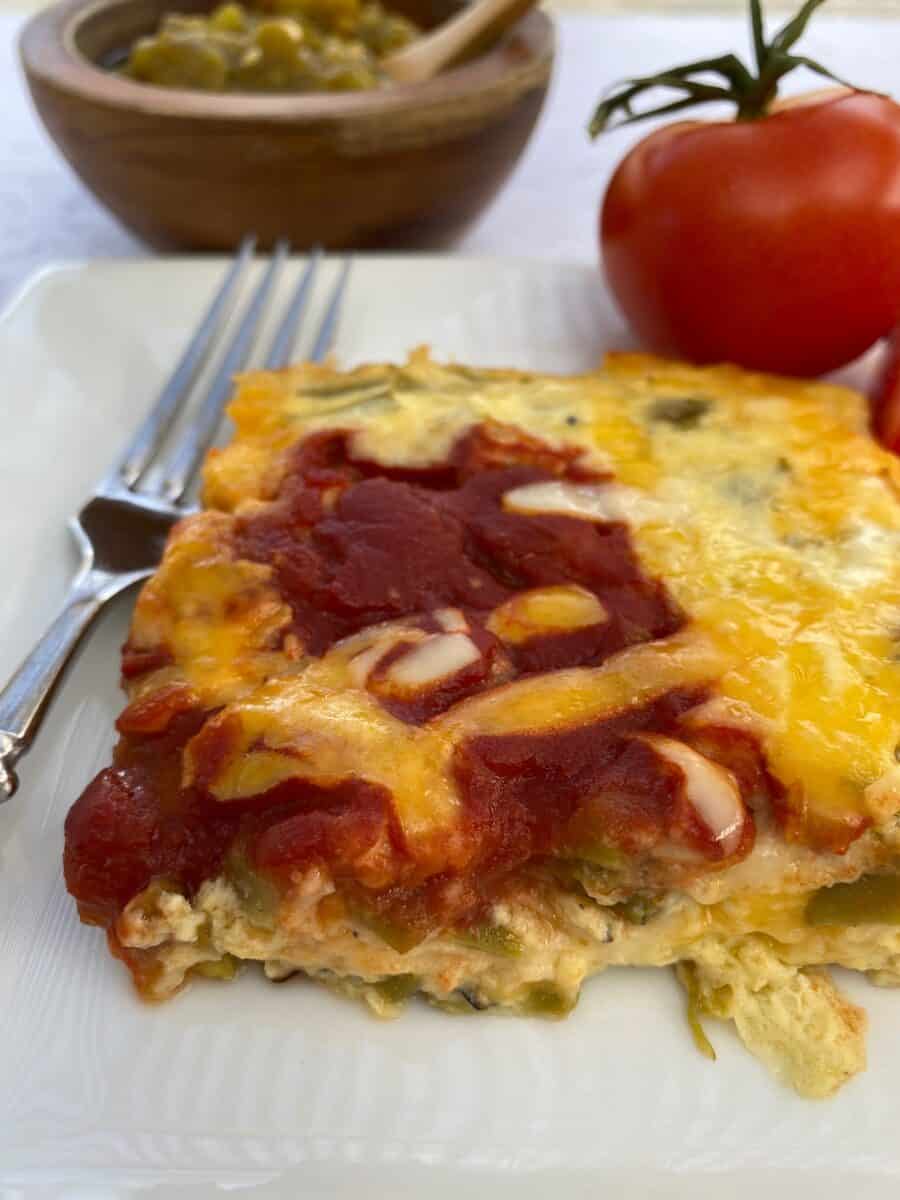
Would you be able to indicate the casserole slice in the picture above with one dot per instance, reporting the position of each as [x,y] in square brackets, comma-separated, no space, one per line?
[472,683]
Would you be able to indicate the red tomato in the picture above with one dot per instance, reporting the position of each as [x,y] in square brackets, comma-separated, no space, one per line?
[772,243]
[886,398]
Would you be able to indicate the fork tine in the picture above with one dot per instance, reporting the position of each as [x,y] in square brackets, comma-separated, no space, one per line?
[185,457]
[328,329]
[283,343]
[142,447]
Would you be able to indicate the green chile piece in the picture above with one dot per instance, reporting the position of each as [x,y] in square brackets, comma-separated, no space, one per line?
[687,975]
[223,968]
[545,999]
[258,894]
[870,900]
[492,939]
[608,857]
[397,988]
[639,908]
[401,938]
[175,60]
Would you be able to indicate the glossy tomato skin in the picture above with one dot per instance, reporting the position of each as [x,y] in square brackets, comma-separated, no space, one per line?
[772,243]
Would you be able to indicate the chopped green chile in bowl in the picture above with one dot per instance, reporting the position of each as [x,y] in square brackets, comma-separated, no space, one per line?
[276,46]
[193,161]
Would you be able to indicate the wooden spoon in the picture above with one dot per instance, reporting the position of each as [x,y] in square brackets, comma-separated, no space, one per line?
[462,37]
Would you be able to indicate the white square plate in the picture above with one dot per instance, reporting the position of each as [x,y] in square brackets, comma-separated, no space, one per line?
[289,1091]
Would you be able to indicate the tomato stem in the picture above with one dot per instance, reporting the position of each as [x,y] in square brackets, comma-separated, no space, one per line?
[722,78]
[759,34]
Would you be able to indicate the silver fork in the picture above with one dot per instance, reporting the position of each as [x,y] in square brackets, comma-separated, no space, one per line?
[121,529]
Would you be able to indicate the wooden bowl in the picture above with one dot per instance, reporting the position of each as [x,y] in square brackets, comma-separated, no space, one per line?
[406,165]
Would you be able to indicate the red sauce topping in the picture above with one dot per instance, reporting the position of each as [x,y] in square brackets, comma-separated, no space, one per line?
[531,795]
[155,712]
[525,797]
[135,823]
[354,543]
[137,662]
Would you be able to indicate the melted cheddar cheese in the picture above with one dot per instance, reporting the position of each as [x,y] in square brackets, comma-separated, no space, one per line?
[763,504]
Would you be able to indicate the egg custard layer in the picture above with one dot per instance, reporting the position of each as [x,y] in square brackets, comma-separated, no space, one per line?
[471,683]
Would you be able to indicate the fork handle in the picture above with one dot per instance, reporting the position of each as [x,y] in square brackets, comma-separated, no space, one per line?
[24,700]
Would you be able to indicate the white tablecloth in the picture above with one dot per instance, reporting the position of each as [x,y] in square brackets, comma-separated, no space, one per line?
[547,210]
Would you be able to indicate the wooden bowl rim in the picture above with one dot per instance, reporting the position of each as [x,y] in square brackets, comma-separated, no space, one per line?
[49,52]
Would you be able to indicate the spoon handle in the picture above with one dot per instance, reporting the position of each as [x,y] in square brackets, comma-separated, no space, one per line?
[464,35]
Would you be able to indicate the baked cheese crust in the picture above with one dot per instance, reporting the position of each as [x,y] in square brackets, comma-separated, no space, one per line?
[472,683]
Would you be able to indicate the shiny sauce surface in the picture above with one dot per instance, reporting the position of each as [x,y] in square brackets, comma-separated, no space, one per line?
[354,544]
